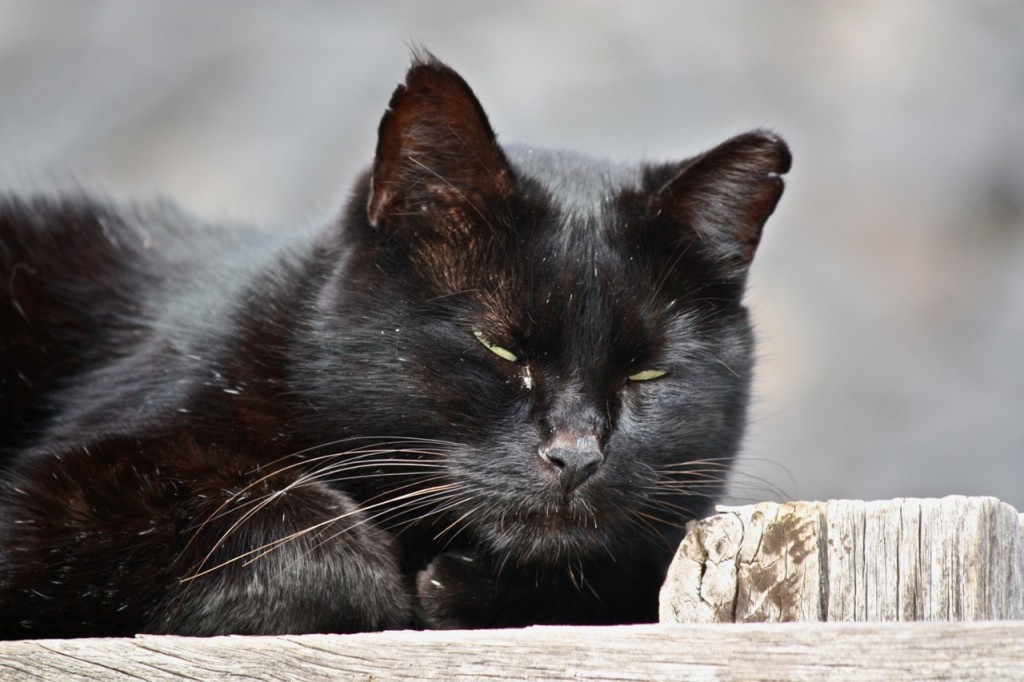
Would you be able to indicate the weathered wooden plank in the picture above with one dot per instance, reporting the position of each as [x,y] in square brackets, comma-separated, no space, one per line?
[794,651]
[769,586]
[957,558]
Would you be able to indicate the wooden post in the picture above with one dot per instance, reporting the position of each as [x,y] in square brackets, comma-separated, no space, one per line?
[956,559]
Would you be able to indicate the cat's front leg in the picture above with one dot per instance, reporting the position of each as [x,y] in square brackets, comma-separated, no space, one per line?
[460,590]
[298,557]
[166,536]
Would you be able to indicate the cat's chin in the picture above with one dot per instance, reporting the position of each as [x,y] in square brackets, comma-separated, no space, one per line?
[551,537]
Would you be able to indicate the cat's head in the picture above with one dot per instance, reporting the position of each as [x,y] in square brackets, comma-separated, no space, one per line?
[567,333]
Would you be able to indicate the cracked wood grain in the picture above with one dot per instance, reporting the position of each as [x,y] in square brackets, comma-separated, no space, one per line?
[865,652]
[956,558]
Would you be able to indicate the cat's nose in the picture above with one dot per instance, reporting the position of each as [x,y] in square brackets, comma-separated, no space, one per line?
[575,457]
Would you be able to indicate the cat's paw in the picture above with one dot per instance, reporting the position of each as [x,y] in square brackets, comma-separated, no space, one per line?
[455,591]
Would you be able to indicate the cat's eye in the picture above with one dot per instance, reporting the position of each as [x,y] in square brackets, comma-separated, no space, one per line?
[648,375]
[502,353]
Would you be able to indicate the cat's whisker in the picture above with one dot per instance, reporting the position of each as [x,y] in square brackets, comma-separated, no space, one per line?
[217,513]
[367,459]
[700,479]
[646,524]
[430,498]
[230,505]
[359,458]
[652,518]
[456,501]
[457,521]
[262,549]
[720,361]
[584,584]
[384,444]
[755,487]
[502,563]
[743,482]
[687,492]
[706,476]
[257,505]
[707,460]
[382,499]
[718,476]
[678,514]
[341,474]
[712,462]
[389,499]
[426,500]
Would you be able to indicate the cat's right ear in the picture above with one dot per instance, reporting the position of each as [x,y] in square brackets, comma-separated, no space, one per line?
[437,155]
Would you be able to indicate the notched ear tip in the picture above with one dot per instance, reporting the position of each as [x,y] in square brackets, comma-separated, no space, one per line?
[427,81]
[428,75]
[771,157]
[767,148]
[435,147]
[726,194]
[785,157]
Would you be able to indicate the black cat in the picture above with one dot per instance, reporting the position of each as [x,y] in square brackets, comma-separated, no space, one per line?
[490,393]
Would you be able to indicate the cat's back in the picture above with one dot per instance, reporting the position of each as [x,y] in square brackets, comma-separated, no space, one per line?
[92,242]
[85,281]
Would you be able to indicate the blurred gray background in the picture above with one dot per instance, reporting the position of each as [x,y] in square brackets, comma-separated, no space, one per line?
[889,289]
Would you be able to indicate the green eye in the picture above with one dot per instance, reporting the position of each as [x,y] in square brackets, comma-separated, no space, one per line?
[502,353]
[647,375]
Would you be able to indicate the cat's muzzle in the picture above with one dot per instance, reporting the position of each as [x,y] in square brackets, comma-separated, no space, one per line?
[574,457]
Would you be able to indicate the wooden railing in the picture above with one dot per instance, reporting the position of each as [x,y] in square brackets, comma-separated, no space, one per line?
[842,590]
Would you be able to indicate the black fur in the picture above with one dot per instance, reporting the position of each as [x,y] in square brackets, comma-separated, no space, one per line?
[428,413]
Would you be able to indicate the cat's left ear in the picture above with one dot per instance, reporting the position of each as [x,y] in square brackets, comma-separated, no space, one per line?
[724,196]
[436,152]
